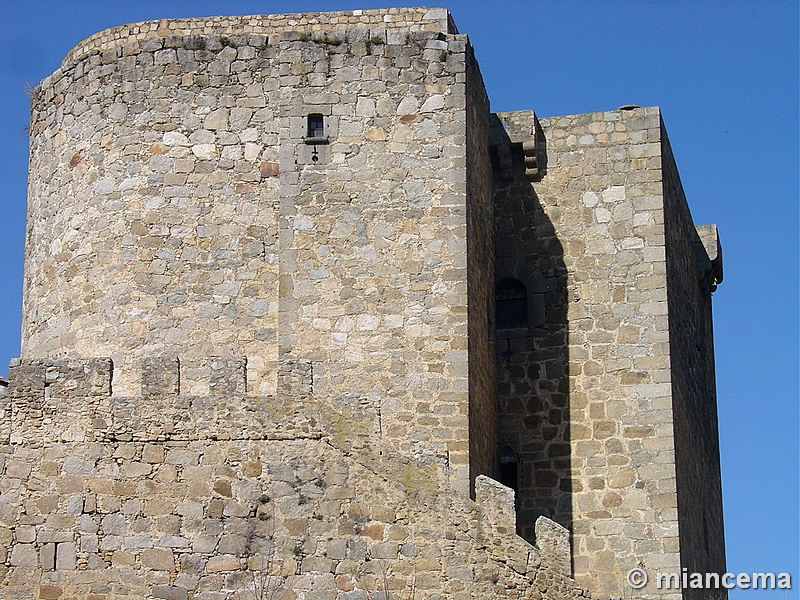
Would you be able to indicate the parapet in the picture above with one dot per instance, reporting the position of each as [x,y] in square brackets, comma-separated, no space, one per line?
[50,401]
[308,505]
[550,560]
[410,19]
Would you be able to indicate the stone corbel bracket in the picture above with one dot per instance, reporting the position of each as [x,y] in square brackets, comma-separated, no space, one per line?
[515,138]
[530,152]
[708,256]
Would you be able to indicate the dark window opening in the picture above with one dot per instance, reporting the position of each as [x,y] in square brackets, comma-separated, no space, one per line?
[508,468]
[511,304]
[316,126]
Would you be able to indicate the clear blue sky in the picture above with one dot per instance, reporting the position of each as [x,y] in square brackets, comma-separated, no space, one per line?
[726,77]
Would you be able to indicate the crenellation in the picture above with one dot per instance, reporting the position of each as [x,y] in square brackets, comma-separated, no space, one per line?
[59,378]
[161,376]
[81,406]
[228,375]
[295,376]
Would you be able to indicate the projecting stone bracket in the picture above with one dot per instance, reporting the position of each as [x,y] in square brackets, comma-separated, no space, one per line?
[515,141]
[530,150]
[708,258]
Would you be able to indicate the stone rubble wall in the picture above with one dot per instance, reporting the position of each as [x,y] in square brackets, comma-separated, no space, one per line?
[152,210]
[585,390]
[373,249]
[175,209]
[313,506]
[300,383]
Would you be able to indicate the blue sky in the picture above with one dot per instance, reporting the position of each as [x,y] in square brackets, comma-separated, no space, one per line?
[725,75]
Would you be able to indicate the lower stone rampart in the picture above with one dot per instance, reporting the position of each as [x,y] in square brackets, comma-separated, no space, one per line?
[236,496]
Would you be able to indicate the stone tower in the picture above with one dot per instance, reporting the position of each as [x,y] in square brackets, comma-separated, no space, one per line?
[606,392]
[294,299]
[183,204]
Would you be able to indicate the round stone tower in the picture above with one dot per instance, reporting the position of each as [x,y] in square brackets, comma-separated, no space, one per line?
[274,187]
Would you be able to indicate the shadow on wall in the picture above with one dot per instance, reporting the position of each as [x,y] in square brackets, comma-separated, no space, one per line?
[531,328]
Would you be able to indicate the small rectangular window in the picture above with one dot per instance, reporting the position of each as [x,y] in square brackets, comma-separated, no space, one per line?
[316,126]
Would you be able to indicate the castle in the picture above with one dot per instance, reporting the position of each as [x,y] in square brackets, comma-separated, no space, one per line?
[304,320]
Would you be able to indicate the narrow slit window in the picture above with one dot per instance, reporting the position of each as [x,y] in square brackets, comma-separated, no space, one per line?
[316,126]
[511,305]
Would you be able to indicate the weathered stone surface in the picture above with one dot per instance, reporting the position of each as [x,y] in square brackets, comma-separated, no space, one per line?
[170,592]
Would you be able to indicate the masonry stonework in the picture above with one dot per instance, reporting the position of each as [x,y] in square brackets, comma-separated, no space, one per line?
[362,338]
[593,391]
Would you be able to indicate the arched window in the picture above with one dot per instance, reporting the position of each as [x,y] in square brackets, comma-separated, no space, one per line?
[510,304]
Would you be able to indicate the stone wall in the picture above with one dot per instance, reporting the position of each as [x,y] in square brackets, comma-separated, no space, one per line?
[693,272]
[533,392]
[107,497]
[280,230]
[480,279]
[373,243]
[152,206]
[412,19]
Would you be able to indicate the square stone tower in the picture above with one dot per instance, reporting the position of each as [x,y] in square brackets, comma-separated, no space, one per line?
[606,393]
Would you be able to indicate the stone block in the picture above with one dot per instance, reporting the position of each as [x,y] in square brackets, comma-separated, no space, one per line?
[169,592]
[65,556]
[47,557]
[25,534]
[222,563]
[123,559]
[50,592]
[159,559]
[24,555]
[337,549]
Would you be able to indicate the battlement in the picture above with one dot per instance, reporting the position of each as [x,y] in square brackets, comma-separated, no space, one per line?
[215,375]
[72,400]
[272,461]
